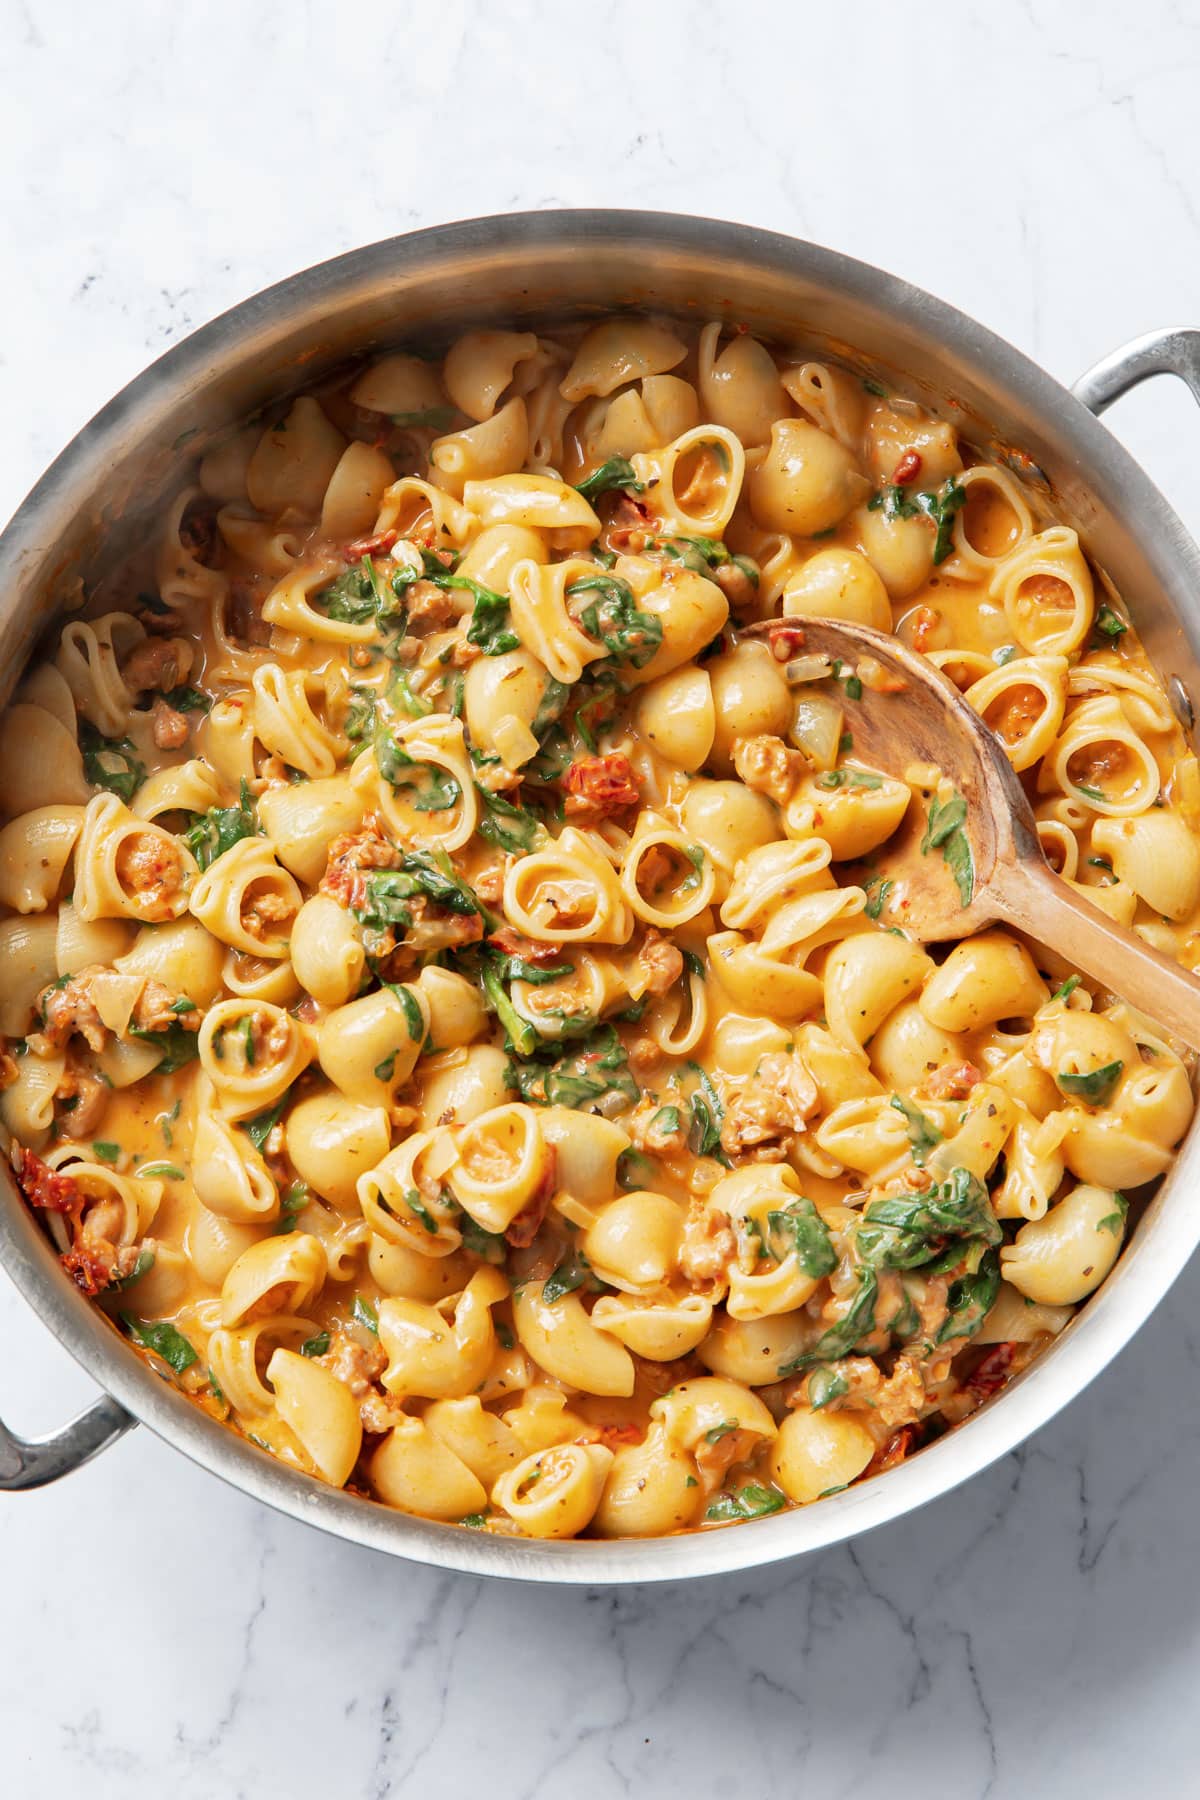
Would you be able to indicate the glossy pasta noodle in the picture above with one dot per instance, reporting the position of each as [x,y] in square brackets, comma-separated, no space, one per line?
[451,1023]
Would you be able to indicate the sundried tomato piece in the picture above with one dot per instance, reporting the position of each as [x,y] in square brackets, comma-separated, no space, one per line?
[378,544]
[613,1436]
[993,1372]
[907,469]
[600,785]
[89,1268]
[953,1082]
[899,1446]
[512,943]
[42,1186]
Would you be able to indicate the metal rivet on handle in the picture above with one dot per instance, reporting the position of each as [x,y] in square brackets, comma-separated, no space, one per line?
[1181,700]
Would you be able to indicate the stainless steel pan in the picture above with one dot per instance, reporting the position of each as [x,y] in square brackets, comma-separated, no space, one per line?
[108,484]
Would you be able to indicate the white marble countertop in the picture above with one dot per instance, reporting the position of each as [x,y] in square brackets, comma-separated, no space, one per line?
[1037,1631]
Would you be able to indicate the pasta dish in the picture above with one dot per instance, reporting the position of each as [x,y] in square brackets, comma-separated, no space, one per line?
[453,1022]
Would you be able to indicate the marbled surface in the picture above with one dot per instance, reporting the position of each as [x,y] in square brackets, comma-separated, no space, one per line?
[1036,1632]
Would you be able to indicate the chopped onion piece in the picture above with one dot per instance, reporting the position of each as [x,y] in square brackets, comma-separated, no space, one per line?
[808,668]
[515,741]
[817,729]
[925,776]
[872,674]
[408,556]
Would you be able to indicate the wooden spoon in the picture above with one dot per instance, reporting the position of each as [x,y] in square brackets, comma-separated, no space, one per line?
[907,714]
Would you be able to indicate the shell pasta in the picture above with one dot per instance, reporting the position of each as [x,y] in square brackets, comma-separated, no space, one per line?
[453,1022]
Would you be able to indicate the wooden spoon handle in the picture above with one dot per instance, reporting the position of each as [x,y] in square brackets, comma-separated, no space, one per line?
[1031,897]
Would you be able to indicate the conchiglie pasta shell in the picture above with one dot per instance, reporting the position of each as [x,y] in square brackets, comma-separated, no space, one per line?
[229,1176]
[562,1340]
[479,367]
[496,446]
[416,1472]
[659,1330]
[817,1452]
[321,1412]
[619,351]
[40,762]
[89,658]
[398,384]
[651,1490]
[290,1270]
[225,896]
[294,461]
[740,386]
[477,1437]
[675,715]
[1059,1260]
[553,1493]
[34,851]
[355,492]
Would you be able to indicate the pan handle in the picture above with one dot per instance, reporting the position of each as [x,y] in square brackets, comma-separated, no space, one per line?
[34,1462]
[1173,351]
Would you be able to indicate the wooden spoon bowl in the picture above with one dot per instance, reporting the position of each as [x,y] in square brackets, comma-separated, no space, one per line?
[966,854]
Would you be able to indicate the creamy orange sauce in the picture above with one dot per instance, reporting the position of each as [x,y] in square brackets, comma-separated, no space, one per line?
[589,1148]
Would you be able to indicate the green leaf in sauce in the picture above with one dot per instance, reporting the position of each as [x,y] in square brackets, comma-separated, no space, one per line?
[489,627]
[490,1245]
[363,1313]
[840,1339]
[110,763]
[593,1074]
[945,830]
[188,699]
[909,1230]
[143,1265]
[412,1013]
[1115,1221]
[970,1299]
[923,1134]
[1095,1086]
[798,1227]
[897,502]
[508,826]
[571,1273]
[160,1336]
[258,1128]
[877,891]
[826,1384]
[177,1044]
[212,833]
[518,1031]
[615,473]
[750,1502]
[613,619]
[427,418]
[708,1116]
[292,1202]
